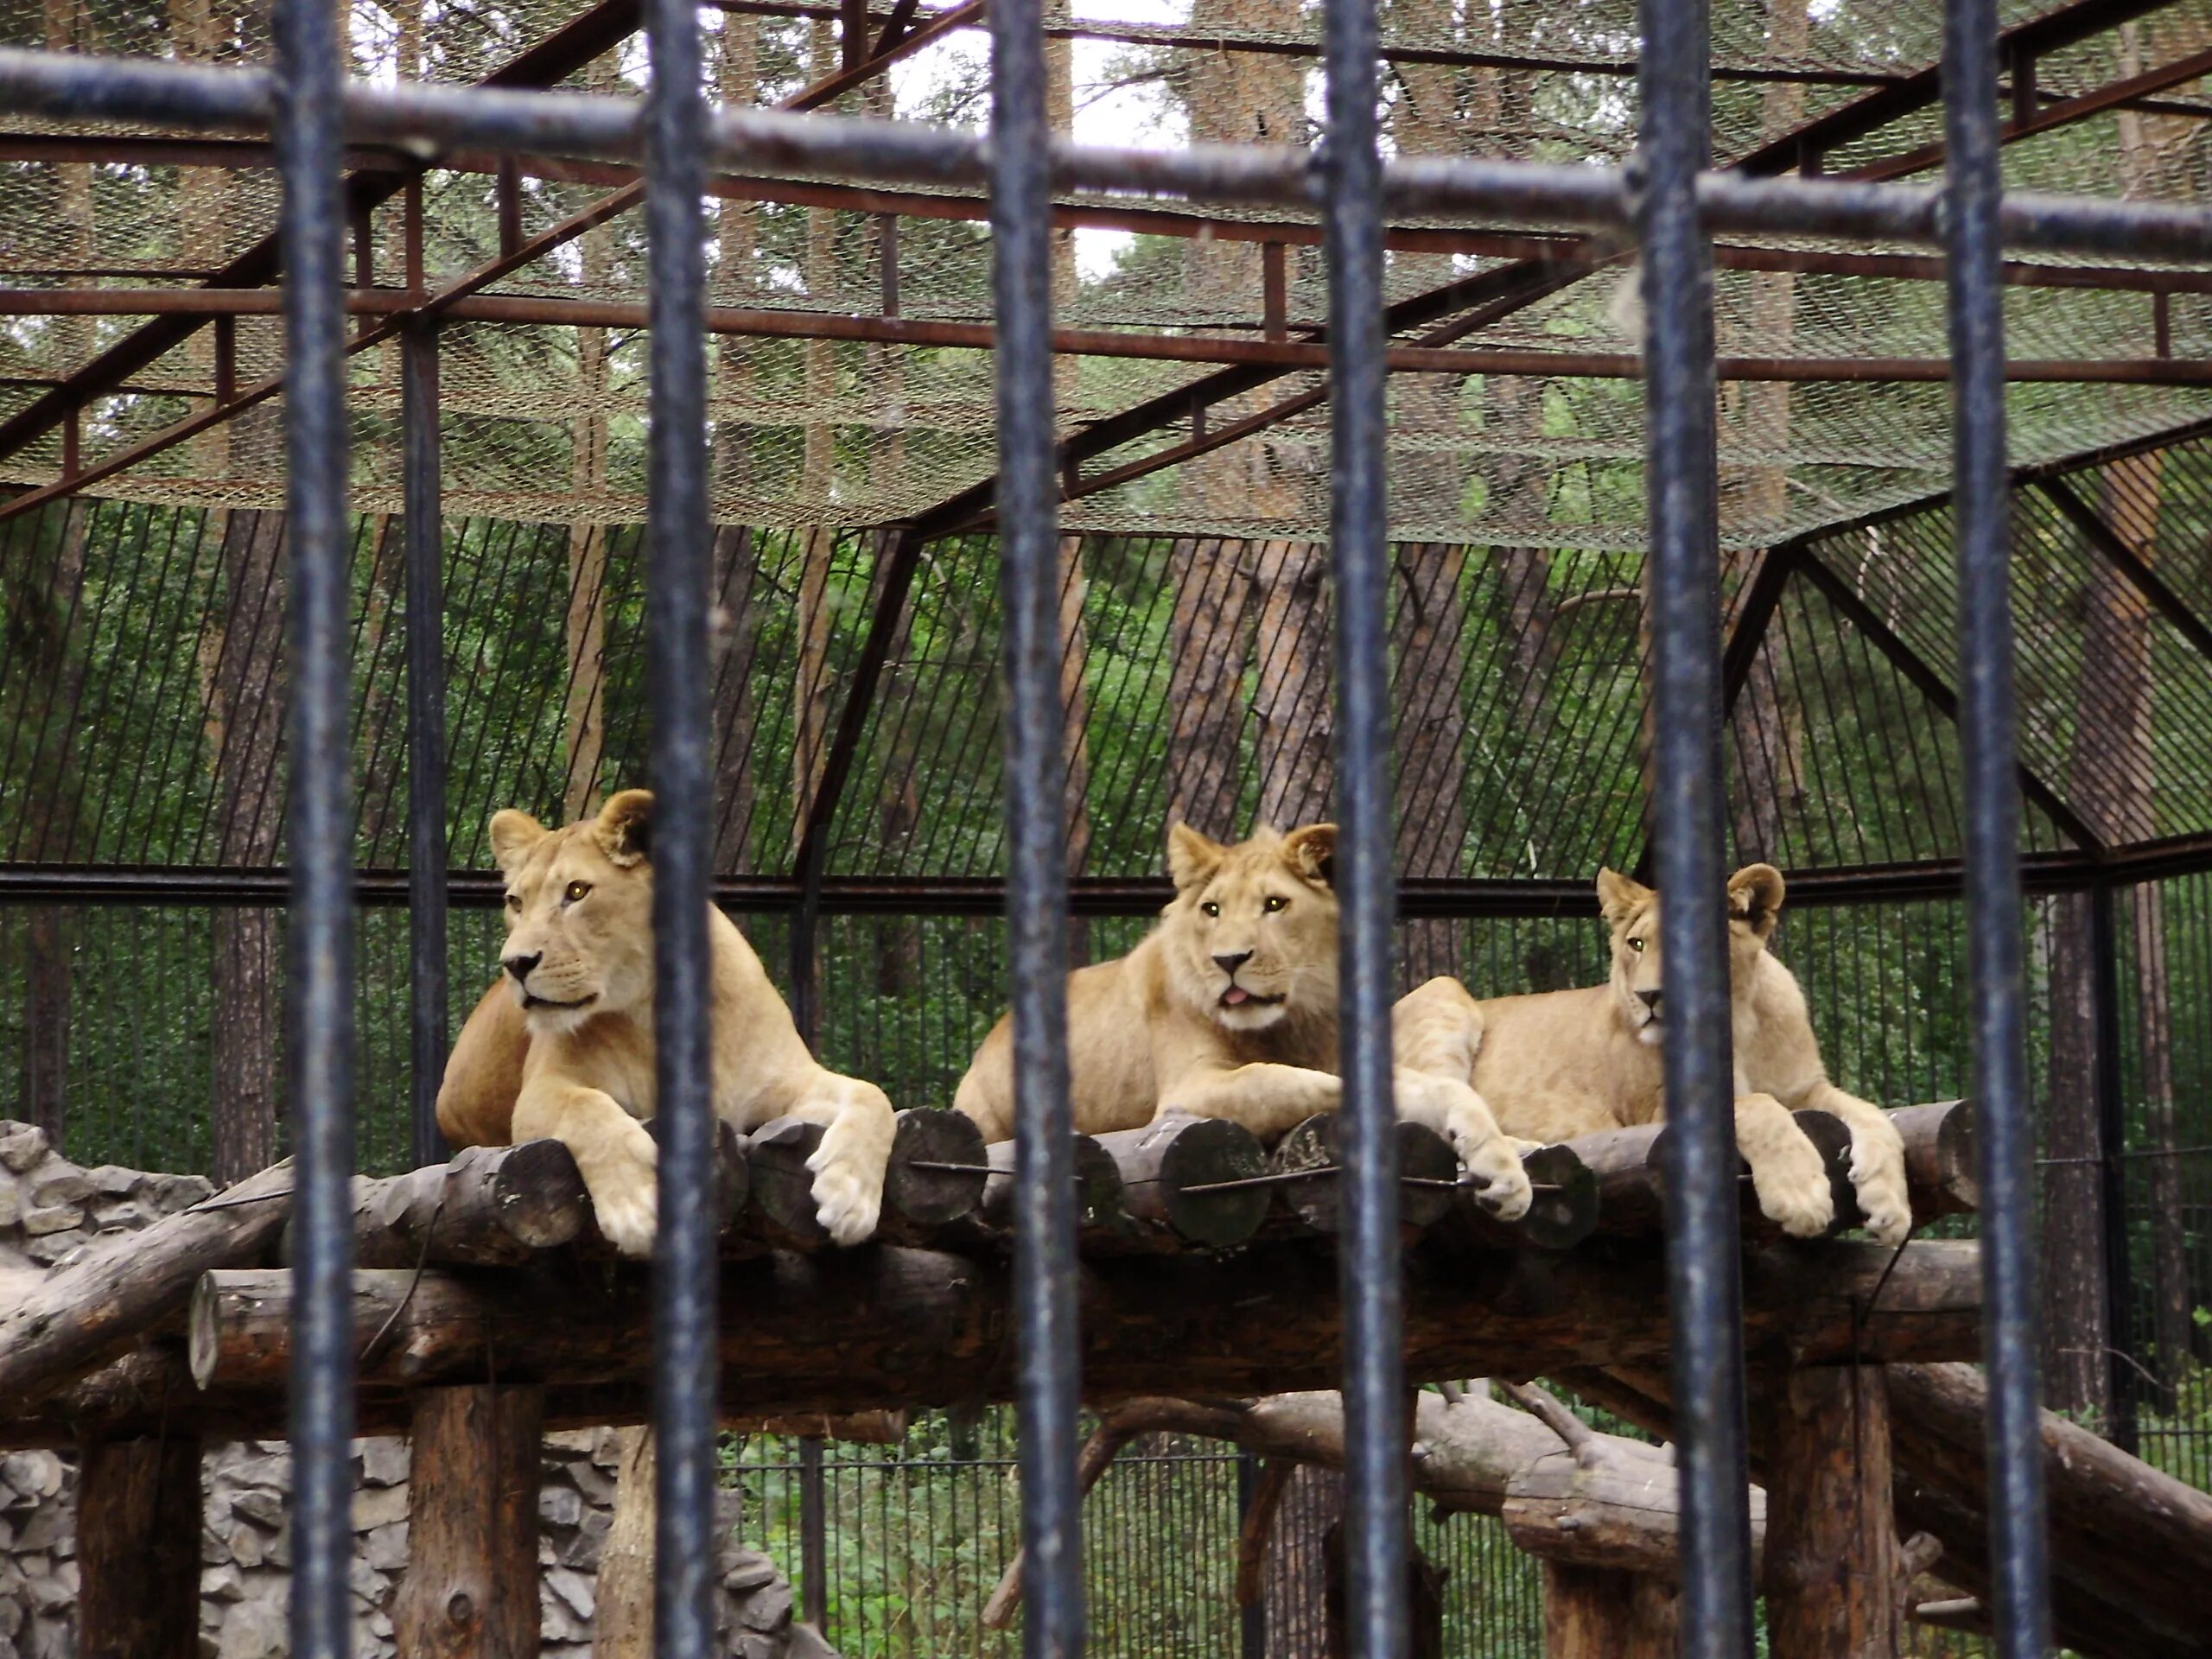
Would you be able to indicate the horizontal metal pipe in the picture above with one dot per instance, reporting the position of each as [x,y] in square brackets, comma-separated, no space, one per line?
[424,119]
[1082,343]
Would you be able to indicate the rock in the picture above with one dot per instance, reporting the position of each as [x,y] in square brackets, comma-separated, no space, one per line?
[754,1645]
[568,1442]
[11,1204]
[168,1194]
[574,1588]
[254,1630]
[805,1641]
[44,1528]
[12,1615]
[246,1546]
[119,1216]
[607,1448]
[582,1550]
[39,1220]
[34,1474]
[557,1623]
[368,1584]
[22,1145]
[48,1593]
[115,1180]
[65,1185]
[560,1506]
[264,1510]
[222,1584]
[380,1626]
[270,1472]
[768,1608]
[378,1506]
[746,1570]
[385,1549]
[383,1460]
[596,1484]
[58,1249]
[280,1549]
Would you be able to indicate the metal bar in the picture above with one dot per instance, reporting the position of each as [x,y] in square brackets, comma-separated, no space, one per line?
[1754,614]
[319,934]
[1683,582]
[559,54]
[1368,1277]
[1932,686]
[1048,1368]
[895,26]
[1274,296]
[2139,572]
[2121,1364]
[852,33]
[677,674]
[2019,1551]
[424,521]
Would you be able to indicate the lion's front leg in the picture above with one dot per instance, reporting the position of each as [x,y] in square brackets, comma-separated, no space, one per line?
[857,1126]
[1877,1161]
[1455,1111]
[615,1154]
[1787,1173]
[1268,1099]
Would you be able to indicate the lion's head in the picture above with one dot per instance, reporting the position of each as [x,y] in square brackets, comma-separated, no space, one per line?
[1251,936]
[1631,910]
[579,904]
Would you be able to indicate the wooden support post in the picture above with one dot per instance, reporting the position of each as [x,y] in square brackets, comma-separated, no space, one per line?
[1604,1612]
[73,440]
[1831,1544]
[139,1550]
[886,233]
[227,360]
[510,196]
[471,1589]
[1275,291]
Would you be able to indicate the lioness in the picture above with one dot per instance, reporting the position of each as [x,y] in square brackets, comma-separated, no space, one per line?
[1227,1009]
[1567,1062]
[562,1046]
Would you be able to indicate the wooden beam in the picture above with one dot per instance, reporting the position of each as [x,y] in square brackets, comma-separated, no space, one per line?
[471,1587]
[138,1548]
[1600,1613]
[1832,1589]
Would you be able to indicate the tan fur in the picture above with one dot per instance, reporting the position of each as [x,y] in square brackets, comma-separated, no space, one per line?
[1153,1031]
[563,1047]
[1567,1062]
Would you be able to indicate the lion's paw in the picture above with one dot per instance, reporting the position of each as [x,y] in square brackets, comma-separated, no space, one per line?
[1523,1148]
[847,1195]
[1792,1186]
[625,1190]
[1502,1185]
[1877,1176]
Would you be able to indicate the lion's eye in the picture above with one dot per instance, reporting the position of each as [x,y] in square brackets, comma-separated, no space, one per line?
[514,901]
[1636,945]
[1276,902]
[576,891]
[1210,908]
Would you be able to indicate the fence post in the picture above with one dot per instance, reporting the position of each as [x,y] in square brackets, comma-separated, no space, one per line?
[1831,1560]
[471,1590]
[139,1550]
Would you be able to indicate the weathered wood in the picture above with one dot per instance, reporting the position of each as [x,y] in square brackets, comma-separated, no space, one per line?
[622,1622]
[1563,1208]
[1599,1612]
[470,1590]
[490,1206]
[139,1550]
[921,1201]
[1429,1174]
[75,1319]
[852,1330]
[1940,1160]
[1832,1554]
[1099,1451]
[1830,1138]
[1102,1218]
[1182,1181]
[1258,1526]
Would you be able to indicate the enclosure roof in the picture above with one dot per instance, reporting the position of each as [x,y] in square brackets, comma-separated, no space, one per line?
[544,419]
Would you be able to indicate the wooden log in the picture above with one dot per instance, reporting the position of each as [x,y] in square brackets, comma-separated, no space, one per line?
[138,1548]
[1563,1207]
[76,1320]
[1940,1159]
[933,1181]
[622,1625]
[1829,1137]
[1832,1553]
[1308,1162]
[1101,1216]
[1599,1612]
[470,1591]
[1189,1181]
[490,1206]
[853,1330]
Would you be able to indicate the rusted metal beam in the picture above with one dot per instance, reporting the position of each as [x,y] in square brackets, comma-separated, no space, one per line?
[2139,572]
[1269,351]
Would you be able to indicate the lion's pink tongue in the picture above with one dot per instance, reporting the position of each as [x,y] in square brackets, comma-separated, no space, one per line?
[1235,995]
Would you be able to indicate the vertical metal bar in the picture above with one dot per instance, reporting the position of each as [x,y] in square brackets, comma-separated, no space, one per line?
[227,360]
[2112,1157]
[423,521]
[1044,1281]
[677,677]
[508,189]
[1351,178]
[319,934]
[2018,1550]
[1673,145]
[813,1536]
[411,233]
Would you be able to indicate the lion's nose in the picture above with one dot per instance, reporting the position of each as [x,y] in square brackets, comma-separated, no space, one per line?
[1651,1000]
[1232,960]
[520,967]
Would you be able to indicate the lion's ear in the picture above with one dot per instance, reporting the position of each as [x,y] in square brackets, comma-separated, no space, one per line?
[514,834]
[1619,896]
[1192,859]
[626,825]
[1755,896]
[1312,851]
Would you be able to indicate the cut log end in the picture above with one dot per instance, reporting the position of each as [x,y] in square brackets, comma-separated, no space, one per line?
[1198,1179]
[539,1193]
[1428,1175]
[937,1169]
[1563,1211]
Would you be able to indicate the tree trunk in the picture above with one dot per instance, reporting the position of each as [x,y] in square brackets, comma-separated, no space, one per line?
[1291,704]
[584,713]
[1210,638]
[1293,1588]
[622,1627]
[1831,1543]
[2075,1375]
[471,1586]
[1429,649]
[137,1549]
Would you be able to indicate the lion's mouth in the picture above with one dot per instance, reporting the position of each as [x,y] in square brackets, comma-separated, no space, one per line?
[1238,997]
[529,1001]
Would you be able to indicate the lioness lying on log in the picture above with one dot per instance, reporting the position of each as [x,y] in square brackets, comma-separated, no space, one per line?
[562,1046]
[1566,1062]
[1227,1009]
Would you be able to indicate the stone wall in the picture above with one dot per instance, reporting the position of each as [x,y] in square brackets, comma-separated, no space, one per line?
[50,1210]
